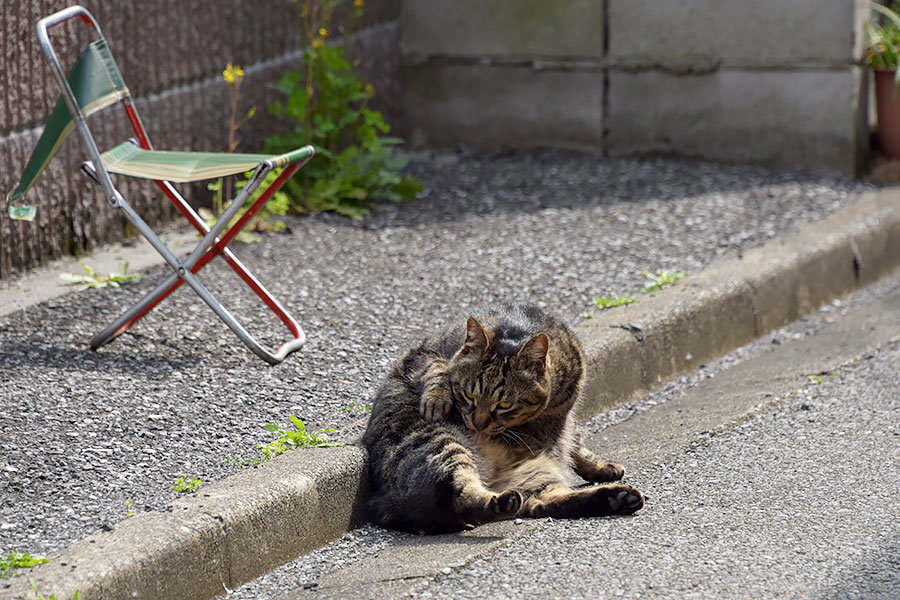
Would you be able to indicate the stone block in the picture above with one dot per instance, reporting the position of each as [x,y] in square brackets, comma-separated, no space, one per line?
[764,33]
[876,239]
[526,28]
[802,118]
[795,274]
[488,107]
[613,373]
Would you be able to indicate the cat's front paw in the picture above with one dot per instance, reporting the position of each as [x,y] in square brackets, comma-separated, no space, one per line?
[434,406]
[506,504]
[610,471]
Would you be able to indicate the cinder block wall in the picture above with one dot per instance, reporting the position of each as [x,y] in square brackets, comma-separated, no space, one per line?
[171,53]
[769,81]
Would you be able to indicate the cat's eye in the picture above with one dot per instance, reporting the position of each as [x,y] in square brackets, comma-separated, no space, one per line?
[469,395]
[504,404]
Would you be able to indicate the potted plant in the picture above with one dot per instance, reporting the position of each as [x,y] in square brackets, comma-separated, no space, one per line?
[883,55]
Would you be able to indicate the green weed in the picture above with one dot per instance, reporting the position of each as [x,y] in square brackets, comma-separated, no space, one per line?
[38,596]
[95,280]
[660,280]
[15,560]
[288,440]
[354,166]
[655,282]
[604,302]
[183,486]
[357,407]
[299,437]
[264,219]
[129,508]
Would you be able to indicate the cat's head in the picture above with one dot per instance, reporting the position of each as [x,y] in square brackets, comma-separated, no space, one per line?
[497,385]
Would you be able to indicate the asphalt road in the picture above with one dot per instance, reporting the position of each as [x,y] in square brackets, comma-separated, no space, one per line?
[775,475]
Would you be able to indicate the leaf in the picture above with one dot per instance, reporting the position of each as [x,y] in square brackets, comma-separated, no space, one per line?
[271,427]
[409,187]
[356,193]
[71,278]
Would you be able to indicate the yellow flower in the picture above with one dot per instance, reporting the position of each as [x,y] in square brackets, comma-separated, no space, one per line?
[233,74]
[358,3]
[318,42]
[323,32]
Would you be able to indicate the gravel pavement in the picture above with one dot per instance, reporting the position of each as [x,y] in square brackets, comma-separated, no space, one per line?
[658,483]
[84,433]
[798,502]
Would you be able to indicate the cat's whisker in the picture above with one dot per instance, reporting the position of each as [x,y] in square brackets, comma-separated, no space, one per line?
[519,438]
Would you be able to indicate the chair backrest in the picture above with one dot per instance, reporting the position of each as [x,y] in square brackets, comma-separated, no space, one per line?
[93,83]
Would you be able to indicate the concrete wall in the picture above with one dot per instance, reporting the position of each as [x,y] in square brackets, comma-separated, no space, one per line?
[171,53]
[772,82]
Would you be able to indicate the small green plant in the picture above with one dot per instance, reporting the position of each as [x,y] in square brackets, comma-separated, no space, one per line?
[288,440]
[655,282]
[38,596]
[604,302]
[354,166]
[264,219]
[357,407]
[883,40]
[815,379]
[15,560]
[95,280]
[129,508]
[183,486]
[299,437]
[660,280]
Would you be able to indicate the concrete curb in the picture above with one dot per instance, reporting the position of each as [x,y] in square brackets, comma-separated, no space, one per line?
[208,543]
[633,349]
[249,523]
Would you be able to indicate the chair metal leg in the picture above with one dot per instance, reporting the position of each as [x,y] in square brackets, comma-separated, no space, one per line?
[206,250]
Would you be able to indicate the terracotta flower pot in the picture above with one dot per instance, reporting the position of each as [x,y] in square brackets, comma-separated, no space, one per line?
[887,100]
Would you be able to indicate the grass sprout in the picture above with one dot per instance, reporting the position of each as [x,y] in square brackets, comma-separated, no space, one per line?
[184,486]
[604,302]
[661,279]
[15,560]
[95,280]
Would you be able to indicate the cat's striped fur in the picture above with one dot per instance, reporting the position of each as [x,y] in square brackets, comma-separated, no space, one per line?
[476,425]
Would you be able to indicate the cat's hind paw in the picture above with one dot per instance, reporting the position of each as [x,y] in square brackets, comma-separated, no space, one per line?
[434,406]
[624,499]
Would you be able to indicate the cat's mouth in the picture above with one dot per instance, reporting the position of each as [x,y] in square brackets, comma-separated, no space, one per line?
[492,431]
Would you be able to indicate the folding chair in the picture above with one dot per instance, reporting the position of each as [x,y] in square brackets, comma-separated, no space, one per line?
[94,83]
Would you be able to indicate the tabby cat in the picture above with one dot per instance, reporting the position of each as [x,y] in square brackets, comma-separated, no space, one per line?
[476,425]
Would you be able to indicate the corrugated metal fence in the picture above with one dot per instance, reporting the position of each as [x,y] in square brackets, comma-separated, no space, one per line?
[171,53]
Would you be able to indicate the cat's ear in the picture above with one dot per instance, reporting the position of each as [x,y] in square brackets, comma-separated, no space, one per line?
[477,339]
[532,356]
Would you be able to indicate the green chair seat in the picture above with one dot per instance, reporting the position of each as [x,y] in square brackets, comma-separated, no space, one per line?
[182,167]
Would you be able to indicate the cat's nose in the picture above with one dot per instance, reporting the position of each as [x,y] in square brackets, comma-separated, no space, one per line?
[481,419]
